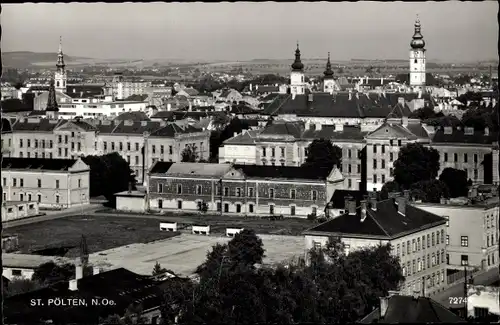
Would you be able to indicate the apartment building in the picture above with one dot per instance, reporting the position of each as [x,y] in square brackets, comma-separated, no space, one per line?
[53,138]
[471,231]
[470,150]
[241,189]
[285,144]
[53,183]
[383,146]
[417,237]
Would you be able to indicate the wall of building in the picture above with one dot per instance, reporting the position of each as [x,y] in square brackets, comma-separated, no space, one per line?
[131,203]
[473,223]
[19,210]
[238,154]
[11,273]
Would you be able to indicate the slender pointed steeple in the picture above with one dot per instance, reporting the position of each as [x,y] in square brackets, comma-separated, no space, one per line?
[51,101]
[297,64]
[60,56]
[328,72]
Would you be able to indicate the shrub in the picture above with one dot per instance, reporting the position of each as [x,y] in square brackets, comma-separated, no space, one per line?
[311,216]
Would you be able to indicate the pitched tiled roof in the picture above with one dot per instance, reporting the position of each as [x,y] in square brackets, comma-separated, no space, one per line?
[270,97]
[385,222]
[161,167]
[407,309]
[87,90]
[170,130]
[458,136]
[246,137]
[337,200]
[106,126]
[82,124]
[120,286]
[6,125]
[35,125]
[338,105]
[192,169]
[135,127]
[14,105]
[133,116]
[287,172]
[267,89]
[37,163]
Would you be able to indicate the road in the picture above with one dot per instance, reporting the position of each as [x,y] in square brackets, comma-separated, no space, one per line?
[457,290]
[53,215]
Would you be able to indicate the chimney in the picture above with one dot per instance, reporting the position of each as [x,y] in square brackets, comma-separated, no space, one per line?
[310,98]
[486,131]
[78,271]
[401,100]
[96,270]
[73,285]
[401,201]
[318,127]
[235,134]
[350,205]
[363,210]
[384,305]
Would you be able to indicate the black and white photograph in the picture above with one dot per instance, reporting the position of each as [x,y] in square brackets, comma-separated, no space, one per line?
[250,163]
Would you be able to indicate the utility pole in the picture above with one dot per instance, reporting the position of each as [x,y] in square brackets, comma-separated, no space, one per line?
[465,292]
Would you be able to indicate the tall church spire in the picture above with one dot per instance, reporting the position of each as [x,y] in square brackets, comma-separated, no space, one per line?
[328,71]
[417,59]
[52,101]
[60,56]
[417,40]
[60,76]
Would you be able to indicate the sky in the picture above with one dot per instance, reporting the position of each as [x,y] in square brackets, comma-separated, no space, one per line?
[453,31]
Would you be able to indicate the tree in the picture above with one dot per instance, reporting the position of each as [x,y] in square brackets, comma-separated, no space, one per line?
[189,153]
[157,270]
[389,187]
[456,181]
[109,174]
[425,113]
[49,273]
[246,248]
[322,154]
[415,163]
[431,190]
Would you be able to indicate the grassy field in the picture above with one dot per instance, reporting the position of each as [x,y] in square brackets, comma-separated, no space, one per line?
[101,233]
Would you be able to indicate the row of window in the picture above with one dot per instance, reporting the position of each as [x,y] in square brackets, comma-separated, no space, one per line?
[420,243]
[9,143]
[239,192]
[465,157]
[39,182]
[430,281]
[238,207]
[29,197]
[50,143]
[419,264]
[392,143]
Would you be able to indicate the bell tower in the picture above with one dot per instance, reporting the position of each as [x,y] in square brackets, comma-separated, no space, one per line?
[328,81]
[417,59]
[60,76]
[297,80]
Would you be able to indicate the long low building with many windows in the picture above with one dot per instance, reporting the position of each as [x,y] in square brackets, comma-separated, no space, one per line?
[241,189]
[53,183]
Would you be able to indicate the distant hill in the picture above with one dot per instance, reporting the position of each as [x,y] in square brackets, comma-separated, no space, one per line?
[25,59]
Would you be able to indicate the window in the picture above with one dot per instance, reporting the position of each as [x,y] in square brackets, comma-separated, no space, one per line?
[226,191]
[382,163]
[445,158]
[17,272]
[383,178]
[57,199]
[408,267]
[271,193]
[404,270]
[238,192]
[29,197]
[464,260]
[398,249]
[433,240]
[465,157]
[428,261]
[21,182]
[475,174]
[418,244]
[28,144]
[314,195]
[374,148]
[464,241]
[419,265]
[250,191]
[374,163]
[403,249]
[263,152]
[349,153]
[358,168]
[153,149]
[433,259]
[161,149]
[375,178]
[219,206]
[170,150]
[199,189]
[447,258]
[414,267]
[21,197]
[136,146]
[238,208]
[399,143]
[20,143]
[179,204]
[481,312]
[282,152]
[66,139]
[292,210]
[160,188]
[349,183]
[437,238]
[271,209]
[79,183]
[39,183]
[105,146]
[447,239]
[383,148]
[423,242]
[65,152]
[273,152]
[57,183]
[475,158]
[292,194]
[39,198]
[14,182]
[349,170]
[179,188]
[250,208]
[408,248]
